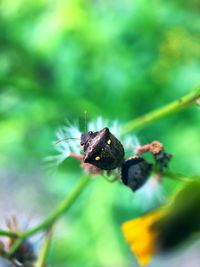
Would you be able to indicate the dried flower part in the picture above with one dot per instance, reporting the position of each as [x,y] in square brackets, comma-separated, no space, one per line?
[161,157]
[143,149]
[12,224]
[155,147]
[89,168]
[141,237]
[162,160]
[25,254]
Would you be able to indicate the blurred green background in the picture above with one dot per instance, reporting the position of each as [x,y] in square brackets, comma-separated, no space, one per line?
[115,59]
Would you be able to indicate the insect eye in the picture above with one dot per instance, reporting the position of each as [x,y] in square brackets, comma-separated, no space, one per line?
[109,142]
[97,158]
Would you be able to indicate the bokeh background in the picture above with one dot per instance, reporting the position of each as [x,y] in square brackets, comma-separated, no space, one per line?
[114,59]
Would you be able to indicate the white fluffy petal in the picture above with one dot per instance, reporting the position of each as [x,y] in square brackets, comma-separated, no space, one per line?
[150,195]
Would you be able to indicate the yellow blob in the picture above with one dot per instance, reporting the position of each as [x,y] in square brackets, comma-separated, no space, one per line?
[141,237]
[97,158]
[109,142]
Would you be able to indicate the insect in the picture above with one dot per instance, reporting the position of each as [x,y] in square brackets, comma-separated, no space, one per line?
[135,172]
[104,151]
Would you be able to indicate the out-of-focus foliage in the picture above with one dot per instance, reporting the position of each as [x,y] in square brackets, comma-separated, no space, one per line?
[115,59]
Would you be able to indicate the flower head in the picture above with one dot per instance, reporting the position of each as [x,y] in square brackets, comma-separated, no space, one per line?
[25,254]
[141,237]
[164,229]
[151,192]
[67,147]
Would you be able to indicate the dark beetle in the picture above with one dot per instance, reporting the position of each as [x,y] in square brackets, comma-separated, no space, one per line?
[102,149]
[135,172]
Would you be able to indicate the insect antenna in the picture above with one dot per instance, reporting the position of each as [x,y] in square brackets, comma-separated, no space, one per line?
[86,120]
[63,139]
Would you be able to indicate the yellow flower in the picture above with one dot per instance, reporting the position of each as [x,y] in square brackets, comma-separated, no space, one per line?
[141,236]
[166,228]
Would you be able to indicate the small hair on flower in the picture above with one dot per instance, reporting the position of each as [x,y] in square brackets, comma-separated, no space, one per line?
[151,195]
[70,147]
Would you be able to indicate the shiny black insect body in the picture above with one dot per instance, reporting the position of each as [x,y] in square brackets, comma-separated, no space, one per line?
[135,172]
[102,149]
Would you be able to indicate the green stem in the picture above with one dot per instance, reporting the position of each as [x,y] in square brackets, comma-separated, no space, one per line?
[180,177]
[41,262]
[166,110]
[8,233]
[62,208]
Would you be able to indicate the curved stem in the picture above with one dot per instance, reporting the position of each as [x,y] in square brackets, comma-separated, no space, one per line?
[56,214]
[61,208]
[166,110]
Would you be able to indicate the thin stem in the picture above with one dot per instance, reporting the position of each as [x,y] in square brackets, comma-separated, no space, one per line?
[15,246]
[180,177]
[56,214]
[166,110]
[8,233]
[41,262]
[61,208]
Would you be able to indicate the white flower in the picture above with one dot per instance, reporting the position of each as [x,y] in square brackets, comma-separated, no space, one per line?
[65,147]
[19,224]
[150,195]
